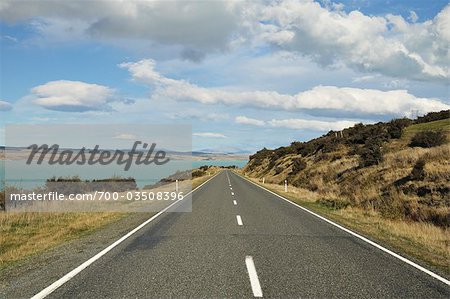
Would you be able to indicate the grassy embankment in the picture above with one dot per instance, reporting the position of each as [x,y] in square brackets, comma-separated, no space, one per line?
[25,234]
[381,201]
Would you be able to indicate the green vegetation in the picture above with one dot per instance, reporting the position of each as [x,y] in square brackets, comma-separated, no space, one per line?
[428,139]
[433,116]
[67,185]
[2,200]
[197,173]
[438,125]
[370,154]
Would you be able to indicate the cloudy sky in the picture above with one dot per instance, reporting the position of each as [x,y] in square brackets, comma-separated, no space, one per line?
[245,74]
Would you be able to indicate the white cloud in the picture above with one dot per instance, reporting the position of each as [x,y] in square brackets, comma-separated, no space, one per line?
[389,44]
[195,27]
[73,96]
[125,137]
[10,38]
[5,106]
[413,17]
[198,115]
[298,124]
[209,135]
[40,119]
[366,78]
[383,44]
[243,120]
[314,125]
[329,99]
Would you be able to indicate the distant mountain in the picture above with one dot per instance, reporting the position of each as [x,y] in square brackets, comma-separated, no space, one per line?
[223,151]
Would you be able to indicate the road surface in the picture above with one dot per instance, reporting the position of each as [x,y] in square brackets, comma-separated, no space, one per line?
[241,241]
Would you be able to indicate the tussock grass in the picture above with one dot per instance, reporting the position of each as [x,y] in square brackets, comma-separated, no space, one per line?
[379,186]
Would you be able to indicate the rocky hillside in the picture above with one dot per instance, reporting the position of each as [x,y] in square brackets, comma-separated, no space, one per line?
[400,168]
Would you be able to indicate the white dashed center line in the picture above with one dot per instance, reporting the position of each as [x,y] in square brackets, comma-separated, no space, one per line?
[254,281]
[234,202]
[239,220]
[228,177]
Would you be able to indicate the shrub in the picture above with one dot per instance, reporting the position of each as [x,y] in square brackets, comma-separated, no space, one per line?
[356,134]
[257,158]
[361,134]
[2,199]
[204,167]
[370,154]
[418,172]
[428,139]
[298,165]
[278,170]
[197,173]
[333,203]
[76,185]
[277,154]
[395,127]
[433,116]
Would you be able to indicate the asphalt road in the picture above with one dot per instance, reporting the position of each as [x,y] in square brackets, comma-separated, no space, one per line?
[278,251]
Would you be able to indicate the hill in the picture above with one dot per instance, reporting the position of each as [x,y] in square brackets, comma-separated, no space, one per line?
[400,169]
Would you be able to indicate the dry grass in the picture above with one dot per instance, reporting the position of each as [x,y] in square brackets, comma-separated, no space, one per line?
[422,240]
[304,194]
[369,186]
[200,180]
[25,234]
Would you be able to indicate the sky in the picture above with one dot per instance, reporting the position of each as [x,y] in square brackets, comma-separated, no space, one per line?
[244,74]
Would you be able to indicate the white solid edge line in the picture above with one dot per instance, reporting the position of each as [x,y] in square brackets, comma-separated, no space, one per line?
[234,202]
[253,275]
[403,259]
[51,288]
[239,220]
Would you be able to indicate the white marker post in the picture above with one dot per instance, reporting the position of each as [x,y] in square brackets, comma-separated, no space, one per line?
[264,180]
[285,185]
[176,185]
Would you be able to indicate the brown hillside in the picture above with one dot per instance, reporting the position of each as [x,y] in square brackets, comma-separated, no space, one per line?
[400,169]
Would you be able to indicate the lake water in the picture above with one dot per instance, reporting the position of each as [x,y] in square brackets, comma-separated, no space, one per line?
[28,177]
[238,163]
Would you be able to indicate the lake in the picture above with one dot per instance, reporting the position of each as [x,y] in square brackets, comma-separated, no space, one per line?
[28,177]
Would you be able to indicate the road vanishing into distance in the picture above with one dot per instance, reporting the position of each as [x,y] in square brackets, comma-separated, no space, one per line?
[242,241]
